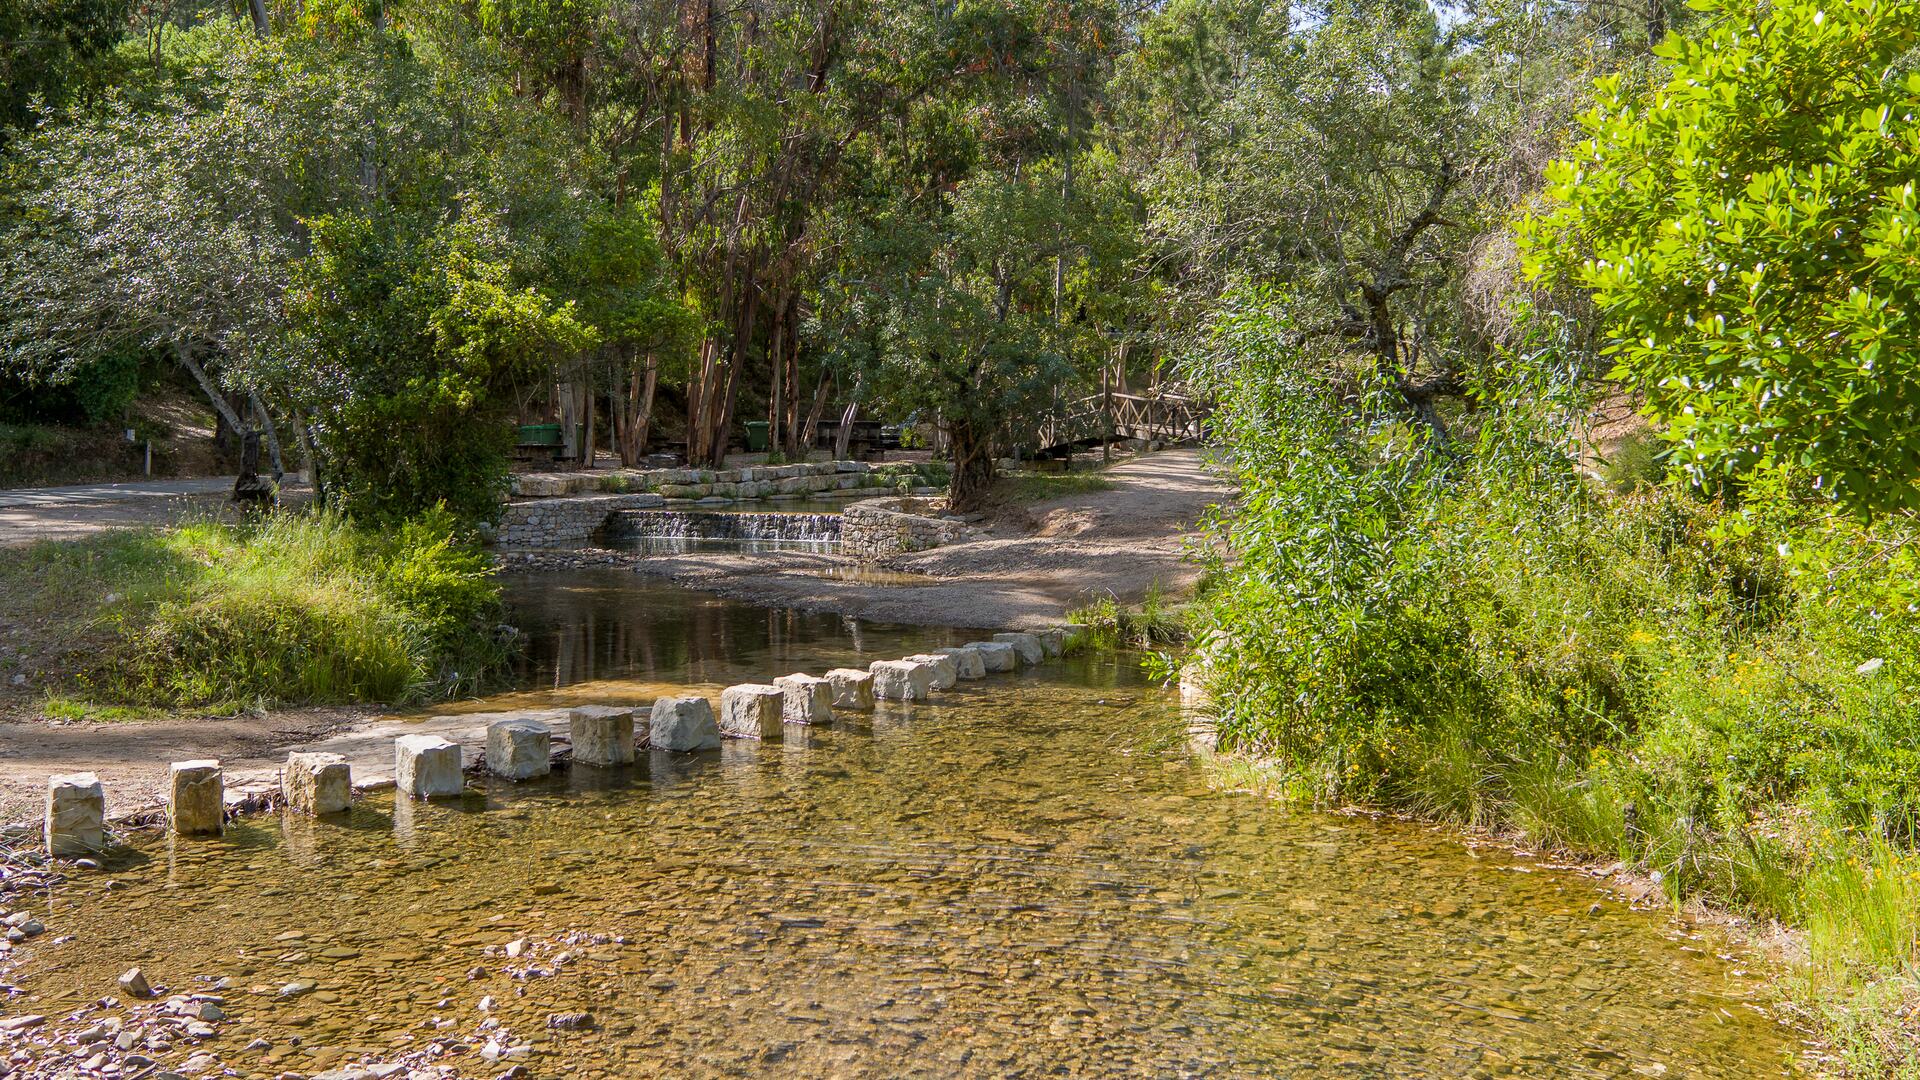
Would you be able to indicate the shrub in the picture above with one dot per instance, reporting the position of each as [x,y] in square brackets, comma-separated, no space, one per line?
[1719,694]
[291,609]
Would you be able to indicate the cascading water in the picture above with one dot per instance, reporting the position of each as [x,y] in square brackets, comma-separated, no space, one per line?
[681,531]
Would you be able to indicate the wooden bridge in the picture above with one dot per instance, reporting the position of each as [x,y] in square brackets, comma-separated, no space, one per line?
[1098,419]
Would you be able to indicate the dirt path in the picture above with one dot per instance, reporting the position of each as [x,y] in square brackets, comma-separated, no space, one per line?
[67,513]
[1033,564]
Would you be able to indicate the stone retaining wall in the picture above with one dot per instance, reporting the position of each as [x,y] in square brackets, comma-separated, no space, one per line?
[567,521]
[817,479]
[876,529]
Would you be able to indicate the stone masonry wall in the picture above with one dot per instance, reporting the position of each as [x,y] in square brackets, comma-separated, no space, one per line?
[817,479]
[567,521]
[876,529]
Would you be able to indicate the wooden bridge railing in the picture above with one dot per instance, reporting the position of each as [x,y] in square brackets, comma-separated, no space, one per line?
[1097,418]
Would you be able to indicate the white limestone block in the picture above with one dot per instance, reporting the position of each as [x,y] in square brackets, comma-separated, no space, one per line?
[601,734]
[852,689]
[751,711]
[967,661]
[809,699]
[519,749]
[196,798]
[76,814]
[901,680]
[427,767]
[316,783]
[683,724]
[946,671]
[998,655]
[1027,645]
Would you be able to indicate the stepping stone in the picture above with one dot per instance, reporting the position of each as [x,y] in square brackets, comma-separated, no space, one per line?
[196,798]
[852,689]
[427,767]
[683,724]
[519,749]
[316,783]
[751,711]
[997,655]
[901,680]
[968,662]
[809,699]
[76,814]
[1027,645]
[946,671]
[1053,641]
[601,734]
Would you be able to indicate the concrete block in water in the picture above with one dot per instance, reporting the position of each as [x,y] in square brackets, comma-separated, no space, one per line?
[601,735]
[317,783]
[852,689]
[1027,645]
[1053,640]
[76,814]
[946,671]
[427,767]
[998,655]
[196,798]
[519,749]
[901,680]
[683,723]
[968,662]
[751,711]
[809,699]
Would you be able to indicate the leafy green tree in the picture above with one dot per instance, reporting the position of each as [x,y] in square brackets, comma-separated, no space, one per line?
[403,345]
[1751,235]
[45,45]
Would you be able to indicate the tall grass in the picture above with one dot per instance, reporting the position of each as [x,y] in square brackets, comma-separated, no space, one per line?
[289,609]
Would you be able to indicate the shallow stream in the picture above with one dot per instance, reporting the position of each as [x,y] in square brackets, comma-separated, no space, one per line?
[1024,877]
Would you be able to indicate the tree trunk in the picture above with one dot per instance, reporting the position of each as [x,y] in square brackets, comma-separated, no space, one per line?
[812,426]
[220,405]
[265,421]
[973,468]
[593,399]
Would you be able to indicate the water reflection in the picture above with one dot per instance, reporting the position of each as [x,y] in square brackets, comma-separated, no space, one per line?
[610,624]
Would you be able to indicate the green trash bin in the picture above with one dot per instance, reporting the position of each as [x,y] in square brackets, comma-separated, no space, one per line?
[757,431]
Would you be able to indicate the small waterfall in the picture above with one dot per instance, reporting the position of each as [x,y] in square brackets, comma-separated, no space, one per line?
[694,530]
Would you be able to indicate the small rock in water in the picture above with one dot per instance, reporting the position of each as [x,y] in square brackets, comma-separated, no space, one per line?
[516,947]
[135,1061]
[571,1021]
[134,984]
[476,972]
[518,1072]
[21,1023]
[211,1012]
[1595,909]
[298,987]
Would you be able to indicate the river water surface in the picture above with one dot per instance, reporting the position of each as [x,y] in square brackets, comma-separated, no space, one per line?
[1022,878]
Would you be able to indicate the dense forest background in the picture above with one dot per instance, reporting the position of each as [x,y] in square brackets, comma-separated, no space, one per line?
[378,224]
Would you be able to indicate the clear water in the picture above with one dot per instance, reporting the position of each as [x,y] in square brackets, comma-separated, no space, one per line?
[1022,878]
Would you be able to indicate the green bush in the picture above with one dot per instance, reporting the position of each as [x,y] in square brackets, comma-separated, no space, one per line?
[1721,695]
[291,609]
